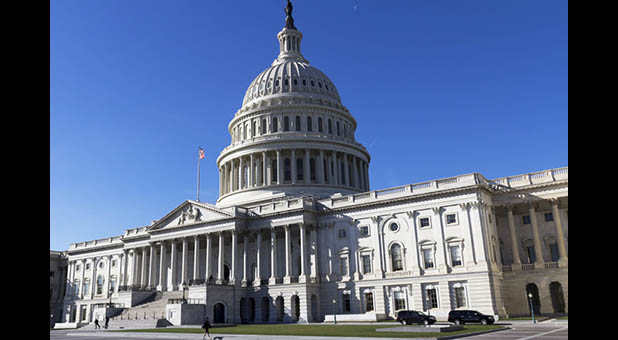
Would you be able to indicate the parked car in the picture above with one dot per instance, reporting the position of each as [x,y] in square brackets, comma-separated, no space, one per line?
[460,317]
[407,317]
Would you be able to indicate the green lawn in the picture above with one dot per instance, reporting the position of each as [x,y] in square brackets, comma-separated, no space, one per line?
[317,330]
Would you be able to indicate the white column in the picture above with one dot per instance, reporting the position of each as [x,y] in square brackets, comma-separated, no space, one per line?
[125,267]
[313,254]
[93,280]
[514,239]
[273,257]
[196,257]
[70,273]
[173,260]
[337,169]
[293,165]
[286,278]
[250,175]
[108,276]
[81,280]
[221,263]
[245,240]
[233,270]
[131,278]
[559,233]
[208,256]
[143,275]
[279,171]
[162,267]
[258,245]
[537,239]
[307,167]
[346,171]
[240,170]
[303,257]
[321,167]
[264,172]
[151,267]
[183,274]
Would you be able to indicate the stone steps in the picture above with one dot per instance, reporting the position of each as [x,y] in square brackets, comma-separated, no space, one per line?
[151,310]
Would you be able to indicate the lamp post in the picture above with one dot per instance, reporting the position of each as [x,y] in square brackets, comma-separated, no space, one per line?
[335,309]
[531,307]
[111,291]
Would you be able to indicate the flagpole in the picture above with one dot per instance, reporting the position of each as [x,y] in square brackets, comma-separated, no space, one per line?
[198,176]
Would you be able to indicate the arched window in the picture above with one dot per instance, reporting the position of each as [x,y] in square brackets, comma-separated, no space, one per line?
[244,131]
[338,130]
[100,281]
[86,287]
[275,127]
[263,126]
[297,123]
[330,126]
[273,169]
[287,172]
[396,257]
[253,129]
[299,169]
[309,124]
[320,124]
[286,123]
[112,283]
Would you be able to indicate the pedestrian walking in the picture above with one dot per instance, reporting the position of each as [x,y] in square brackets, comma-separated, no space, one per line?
[206,328]
[96,324]
[106,322]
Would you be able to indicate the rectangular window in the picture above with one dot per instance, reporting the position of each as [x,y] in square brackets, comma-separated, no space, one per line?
[343,263]
[428,258]
[112,284]
[51,273]
[366,259]
[549,217]
[432,296]
[346,302]
[455,255]
[451,219]
[525,219]
[553,248]
[424,222]
[368,302]
[400,300]
[364,231]
[341,233]
[86,288]
[531,255]
[460,297]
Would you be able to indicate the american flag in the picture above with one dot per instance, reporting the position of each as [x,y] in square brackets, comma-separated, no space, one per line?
[202,153]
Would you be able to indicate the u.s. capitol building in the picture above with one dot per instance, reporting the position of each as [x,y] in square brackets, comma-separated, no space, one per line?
[298,235]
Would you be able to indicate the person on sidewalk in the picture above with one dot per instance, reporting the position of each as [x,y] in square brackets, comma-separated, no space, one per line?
[106,322]
[206,328]
[96,324]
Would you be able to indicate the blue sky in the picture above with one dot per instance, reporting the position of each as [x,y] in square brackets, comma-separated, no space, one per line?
[438,88]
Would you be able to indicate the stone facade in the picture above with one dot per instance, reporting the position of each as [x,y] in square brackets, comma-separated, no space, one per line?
[298,234]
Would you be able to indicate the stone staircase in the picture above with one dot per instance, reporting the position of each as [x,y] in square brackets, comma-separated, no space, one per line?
[150,313]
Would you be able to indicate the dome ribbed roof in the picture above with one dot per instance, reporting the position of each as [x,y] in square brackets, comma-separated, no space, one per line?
[291,77]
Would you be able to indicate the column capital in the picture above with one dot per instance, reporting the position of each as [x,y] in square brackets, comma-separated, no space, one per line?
[437,210]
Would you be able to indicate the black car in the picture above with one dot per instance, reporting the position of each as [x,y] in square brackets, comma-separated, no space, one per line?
[460,317]
[407,317]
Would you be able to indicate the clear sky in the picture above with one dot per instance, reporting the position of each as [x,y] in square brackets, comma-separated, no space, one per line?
[438,88]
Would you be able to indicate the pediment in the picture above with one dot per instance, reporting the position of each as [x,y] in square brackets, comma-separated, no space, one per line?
[190,212]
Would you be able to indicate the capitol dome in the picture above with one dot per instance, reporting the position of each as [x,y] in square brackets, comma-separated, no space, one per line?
[292,135]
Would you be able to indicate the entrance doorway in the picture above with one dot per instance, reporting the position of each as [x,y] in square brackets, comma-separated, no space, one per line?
[219,313]
[557,297]
[536,301]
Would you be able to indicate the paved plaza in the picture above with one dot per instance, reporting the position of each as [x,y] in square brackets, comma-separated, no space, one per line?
[518,331]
